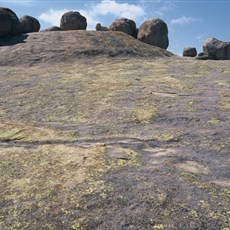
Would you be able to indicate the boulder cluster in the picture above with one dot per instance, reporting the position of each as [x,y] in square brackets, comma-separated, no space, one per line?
[153,32]
[213,49]
[11,25]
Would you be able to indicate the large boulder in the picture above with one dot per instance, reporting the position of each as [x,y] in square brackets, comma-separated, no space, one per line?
[124,25]
[16,27]
[154,32]
[73,20]
[29,24]
[216,49]
[5,23]
[189,52]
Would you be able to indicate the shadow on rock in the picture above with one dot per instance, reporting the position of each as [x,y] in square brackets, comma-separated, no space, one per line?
[9,41]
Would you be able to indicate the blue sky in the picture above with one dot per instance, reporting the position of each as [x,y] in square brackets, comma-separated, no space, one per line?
[189,22]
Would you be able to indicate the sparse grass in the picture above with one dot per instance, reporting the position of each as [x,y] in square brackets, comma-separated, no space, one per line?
[56,176]
[169,136]
[40,178]
[13,131]
[225,102]
[51,178]
[105,92]
[130,159]
[143,115]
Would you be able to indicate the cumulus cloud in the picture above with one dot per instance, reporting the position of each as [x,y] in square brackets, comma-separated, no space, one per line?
[119,9]
[91,19]
[93,11]
[184,20]
[52,17]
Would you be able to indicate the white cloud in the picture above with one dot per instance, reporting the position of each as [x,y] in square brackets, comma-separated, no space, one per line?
[52,17]
[127,10]
[93,11]
[184,20]
[91,20]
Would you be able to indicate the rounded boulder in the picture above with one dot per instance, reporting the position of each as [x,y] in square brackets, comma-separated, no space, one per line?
[154,32]
[189,52]
[29,24]
[216,49]
[16,27]
[125,25]
[73,20]
[5,23]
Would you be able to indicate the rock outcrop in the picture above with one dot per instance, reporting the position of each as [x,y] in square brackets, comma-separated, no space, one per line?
[154,32]
[67,46]
[216,49]
[124,25]
[189,52]
[99,27]
[10,24]
[29,24]
[73,20]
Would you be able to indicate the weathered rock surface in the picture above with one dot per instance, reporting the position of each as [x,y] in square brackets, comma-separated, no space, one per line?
[124,25]
[29,24]
[154,32]
[9,28]
[189,52]
[73,20]
[59,46]
[125,142]
[216,49]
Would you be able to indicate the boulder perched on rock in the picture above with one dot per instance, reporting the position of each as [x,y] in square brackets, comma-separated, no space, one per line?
[29,24]
[154,32]
[73,20]
[15,25]
[124,25]
[216,49]
[189,52]
[99,27]
[53,28]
